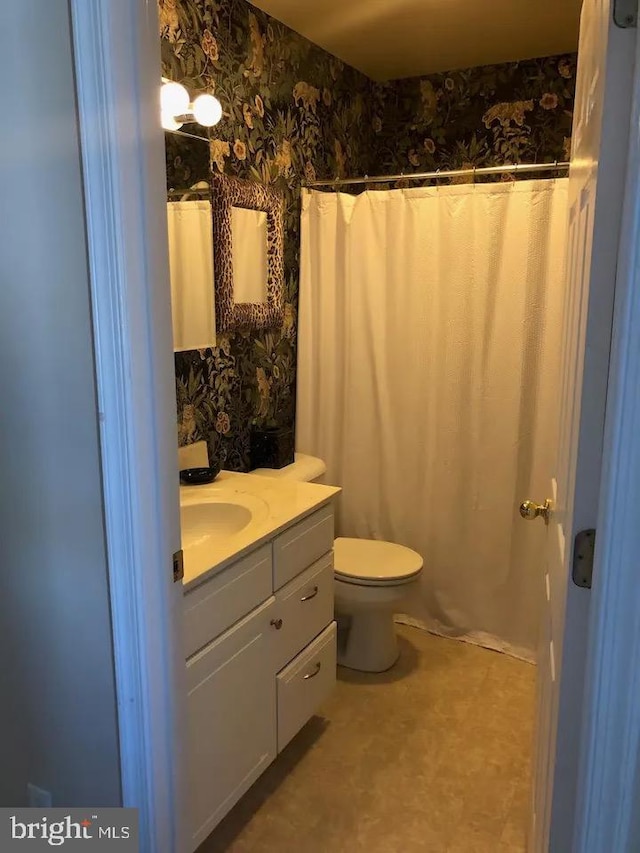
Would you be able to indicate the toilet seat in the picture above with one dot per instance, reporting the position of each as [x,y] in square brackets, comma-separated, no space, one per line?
[368,562]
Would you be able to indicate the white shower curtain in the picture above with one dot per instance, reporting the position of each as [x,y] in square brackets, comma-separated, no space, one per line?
[427,379]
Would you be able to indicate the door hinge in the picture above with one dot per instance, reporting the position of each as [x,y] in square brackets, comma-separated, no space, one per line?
[583,550]
[178,566]
[625,13]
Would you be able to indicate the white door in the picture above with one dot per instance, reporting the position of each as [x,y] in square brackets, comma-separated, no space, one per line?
[598,161]
[117,71]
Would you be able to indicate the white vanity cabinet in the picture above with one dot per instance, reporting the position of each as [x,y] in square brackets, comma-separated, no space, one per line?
[261,657]
[232,718]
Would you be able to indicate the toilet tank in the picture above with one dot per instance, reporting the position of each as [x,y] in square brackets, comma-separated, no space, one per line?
[304,469]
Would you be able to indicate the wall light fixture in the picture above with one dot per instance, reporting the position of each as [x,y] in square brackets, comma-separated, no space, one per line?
[177,109]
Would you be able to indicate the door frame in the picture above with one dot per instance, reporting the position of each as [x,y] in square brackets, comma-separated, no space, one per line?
[609,769]
[117,64]
[116,50]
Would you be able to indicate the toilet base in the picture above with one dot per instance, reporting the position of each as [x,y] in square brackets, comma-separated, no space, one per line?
[372,644]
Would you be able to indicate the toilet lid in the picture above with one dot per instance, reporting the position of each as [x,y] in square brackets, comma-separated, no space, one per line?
[372,561]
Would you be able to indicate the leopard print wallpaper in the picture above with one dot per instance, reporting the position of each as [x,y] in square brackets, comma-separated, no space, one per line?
[519,112]
[291,112]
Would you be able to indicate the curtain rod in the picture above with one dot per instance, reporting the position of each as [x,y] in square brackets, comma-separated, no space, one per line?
[517,168]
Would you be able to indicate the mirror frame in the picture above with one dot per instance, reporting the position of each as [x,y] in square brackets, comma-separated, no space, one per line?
[227,193]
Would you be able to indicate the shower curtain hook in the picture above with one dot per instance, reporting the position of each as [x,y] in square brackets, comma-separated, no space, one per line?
[473,177]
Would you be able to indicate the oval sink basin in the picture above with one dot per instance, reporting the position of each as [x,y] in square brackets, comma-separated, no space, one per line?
[203,521]
[211,521]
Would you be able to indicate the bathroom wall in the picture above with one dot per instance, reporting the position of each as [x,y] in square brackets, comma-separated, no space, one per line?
[516,112]
[293,112]
[58,713]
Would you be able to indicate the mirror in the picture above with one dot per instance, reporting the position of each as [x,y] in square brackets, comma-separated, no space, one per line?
[248,254]
[190,226]
[249,246]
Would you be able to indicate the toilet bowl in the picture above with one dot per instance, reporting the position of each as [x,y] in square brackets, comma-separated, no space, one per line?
[371,580]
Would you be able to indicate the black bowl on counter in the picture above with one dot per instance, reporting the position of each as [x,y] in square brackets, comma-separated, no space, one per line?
[198,476]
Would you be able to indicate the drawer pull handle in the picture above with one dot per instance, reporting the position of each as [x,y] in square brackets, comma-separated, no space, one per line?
[277,623]
[311,595]
[314,673]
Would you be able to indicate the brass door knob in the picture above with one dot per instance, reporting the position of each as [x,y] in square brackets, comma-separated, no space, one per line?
[530,510]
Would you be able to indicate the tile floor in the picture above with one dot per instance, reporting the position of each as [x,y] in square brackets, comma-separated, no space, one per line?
[433,756]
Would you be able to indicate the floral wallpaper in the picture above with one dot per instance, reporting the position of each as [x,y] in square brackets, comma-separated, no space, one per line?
[516,112]
[294,112]
[290,114]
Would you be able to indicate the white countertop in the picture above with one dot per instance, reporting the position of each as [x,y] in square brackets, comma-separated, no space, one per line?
[275,504]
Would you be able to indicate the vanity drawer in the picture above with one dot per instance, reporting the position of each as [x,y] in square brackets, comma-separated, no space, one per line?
[305,606]
[305,684]
[218,603]
[302,545]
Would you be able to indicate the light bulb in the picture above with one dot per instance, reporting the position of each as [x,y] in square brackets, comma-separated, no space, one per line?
[207,110]
[169,122]
[174,99]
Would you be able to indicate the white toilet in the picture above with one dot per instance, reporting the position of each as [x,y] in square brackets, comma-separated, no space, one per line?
[371,580]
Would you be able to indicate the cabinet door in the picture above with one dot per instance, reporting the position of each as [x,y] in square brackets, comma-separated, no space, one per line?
[231,719]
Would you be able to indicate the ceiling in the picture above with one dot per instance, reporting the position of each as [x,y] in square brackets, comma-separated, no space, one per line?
[388,39]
